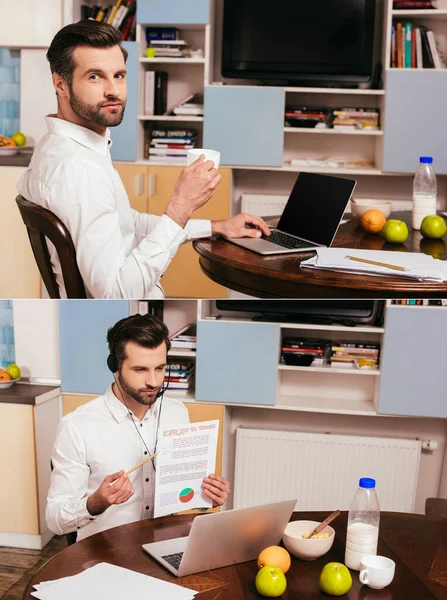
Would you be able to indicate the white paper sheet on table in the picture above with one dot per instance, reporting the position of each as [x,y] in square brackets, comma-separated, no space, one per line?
[186,455]
[421,266]
[114,583]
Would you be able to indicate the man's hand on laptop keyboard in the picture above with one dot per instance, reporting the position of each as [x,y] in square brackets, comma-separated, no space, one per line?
[217,488]
[242,225]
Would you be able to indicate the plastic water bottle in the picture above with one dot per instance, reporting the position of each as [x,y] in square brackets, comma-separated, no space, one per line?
[363,524]
[424,191]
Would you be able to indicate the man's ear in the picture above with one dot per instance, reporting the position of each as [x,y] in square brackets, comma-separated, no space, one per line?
[60,85]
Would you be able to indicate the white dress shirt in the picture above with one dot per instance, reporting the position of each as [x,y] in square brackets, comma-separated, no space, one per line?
[96,440]
[120,252]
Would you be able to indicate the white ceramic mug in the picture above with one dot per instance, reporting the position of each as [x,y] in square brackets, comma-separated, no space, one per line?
[194,154]
[377,571]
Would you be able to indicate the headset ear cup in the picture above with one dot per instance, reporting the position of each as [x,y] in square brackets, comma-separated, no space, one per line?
[111,363]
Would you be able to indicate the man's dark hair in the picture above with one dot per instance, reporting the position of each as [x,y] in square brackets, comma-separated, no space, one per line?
[146,330]
[85,33]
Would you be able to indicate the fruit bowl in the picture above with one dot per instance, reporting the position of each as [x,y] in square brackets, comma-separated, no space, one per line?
[4,385]
[306,549]
[9,151]
[360,206]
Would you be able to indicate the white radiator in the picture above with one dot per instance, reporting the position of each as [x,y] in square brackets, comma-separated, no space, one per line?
[322,470]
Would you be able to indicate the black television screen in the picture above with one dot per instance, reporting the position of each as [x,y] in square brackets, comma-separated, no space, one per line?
[299,41]
[330,311]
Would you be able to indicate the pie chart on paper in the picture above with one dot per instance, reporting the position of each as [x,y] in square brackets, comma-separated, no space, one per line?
[186,495]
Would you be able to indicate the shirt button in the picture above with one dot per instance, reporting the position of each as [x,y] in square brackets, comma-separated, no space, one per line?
[141,424]
[147,479]
[147,507]
[145,451]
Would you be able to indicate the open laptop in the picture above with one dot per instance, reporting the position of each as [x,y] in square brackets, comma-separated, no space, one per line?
[310,218]
[223,538]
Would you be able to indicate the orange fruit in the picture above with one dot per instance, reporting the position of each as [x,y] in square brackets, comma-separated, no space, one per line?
[4,376]
[275,556]
[373,220]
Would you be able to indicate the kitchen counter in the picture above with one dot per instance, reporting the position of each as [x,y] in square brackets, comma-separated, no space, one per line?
[30,394]
[22,159]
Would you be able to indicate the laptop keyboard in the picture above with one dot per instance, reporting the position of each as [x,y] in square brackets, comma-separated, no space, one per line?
[286,241]
[174,559]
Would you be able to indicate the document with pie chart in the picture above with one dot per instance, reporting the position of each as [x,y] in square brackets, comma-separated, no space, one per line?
[186,455]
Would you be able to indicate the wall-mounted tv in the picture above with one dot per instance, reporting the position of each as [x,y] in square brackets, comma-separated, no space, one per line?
[299,42]
[349,312]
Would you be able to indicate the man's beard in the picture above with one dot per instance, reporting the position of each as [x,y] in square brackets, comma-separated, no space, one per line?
[95,114]
[138,394]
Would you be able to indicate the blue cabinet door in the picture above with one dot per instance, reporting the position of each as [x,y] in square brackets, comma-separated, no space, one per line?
[173,12]
[124,137]
[415,120]
[83,326]
[237,363]
[245,124]
[414,359]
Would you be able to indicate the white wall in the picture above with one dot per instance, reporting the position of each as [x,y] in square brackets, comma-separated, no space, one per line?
[37,95]
[36,336]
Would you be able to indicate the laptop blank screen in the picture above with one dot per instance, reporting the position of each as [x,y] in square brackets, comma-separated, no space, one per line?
[316,206]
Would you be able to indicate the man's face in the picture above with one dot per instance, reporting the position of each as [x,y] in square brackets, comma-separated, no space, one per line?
[98,91]
[142,372]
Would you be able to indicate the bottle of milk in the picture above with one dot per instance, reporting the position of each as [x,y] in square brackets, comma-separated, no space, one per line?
[363,524]
[424,191]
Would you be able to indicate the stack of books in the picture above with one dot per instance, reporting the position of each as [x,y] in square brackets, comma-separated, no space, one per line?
[121,15]
[191,106]
[415,47]
[163,42]
[348,119]
[412,4]
[304,352]
[155,92]
[312,117]
[181,377]
[349,353]
[171,145]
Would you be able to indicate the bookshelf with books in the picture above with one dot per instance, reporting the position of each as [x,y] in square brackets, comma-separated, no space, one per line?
[416,82]
[173,68]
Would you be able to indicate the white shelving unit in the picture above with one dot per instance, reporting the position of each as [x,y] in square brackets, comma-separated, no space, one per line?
[329,369]
[323,388]
[306,131]
[186,76]
[170,118]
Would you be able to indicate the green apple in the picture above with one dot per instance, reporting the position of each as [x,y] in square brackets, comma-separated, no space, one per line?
[335,579]
[271,582]
[433,227]
[19,138]
[395,231]
[13,371]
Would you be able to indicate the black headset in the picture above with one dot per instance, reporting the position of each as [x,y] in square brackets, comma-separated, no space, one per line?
[113,365]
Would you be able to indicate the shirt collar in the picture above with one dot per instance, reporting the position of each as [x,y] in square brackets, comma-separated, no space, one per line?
[119,411]
[80,134]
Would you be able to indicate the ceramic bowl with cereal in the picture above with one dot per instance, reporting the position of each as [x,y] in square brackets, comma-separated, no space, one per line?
[296,539]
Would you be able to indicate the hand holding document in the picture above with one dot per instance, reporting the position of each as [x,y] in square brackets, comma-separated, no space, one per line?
[109,581]
[412,265]
[186,455]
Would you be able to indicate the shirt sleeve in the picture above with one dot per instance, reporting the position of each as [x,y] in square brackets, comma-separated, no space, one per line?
[66,508]
[83,197]
[195,228]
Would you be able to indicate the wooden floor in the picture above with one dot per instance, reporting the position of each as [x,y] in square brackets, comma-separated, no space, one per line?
[18,566]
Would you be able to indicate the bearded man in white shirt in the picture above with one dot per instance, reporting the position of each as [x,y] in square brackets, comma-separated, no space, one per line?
[120,252]
[117,431]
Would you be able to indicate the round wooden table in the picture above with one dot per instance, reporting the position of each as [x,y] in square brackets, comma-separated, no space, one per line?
[412,541]
[280,276]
